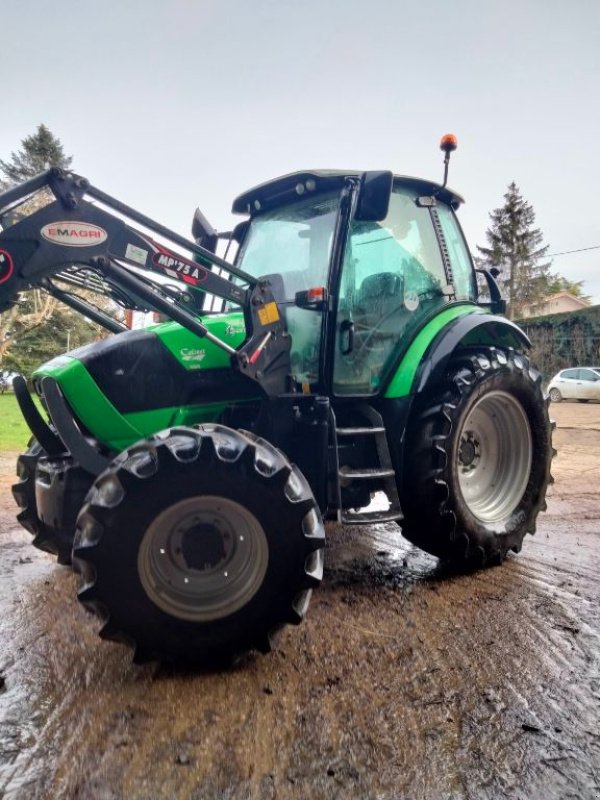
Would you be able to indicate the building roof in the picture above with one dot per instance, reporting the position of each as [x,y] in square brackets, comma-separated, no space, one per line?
[564,294]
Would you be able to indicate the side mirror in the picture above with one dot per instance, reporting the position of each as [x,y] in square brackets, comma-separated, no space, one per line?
[312,299]
[240,231]
[374,196]
[203,232]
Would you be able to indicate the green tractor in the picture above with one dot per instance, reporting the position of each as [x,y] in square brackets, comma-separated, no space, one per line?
[339,367]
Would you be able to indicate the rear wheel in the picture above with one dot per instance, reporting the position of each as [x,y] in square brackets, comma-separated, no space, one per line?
[57,541]
[477,460]
[198,545]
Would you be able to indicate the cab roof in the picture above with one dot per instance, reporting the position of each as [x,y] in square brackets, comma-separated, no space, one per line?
[287,188]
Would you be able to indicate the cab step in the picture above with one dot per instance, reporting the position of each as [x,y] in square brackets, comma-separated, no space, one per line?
[381,474]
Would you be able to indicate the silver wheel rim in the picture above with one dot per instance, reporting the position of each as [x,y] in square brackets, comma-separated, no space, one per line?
[554,395]
[203,558]
[494,457]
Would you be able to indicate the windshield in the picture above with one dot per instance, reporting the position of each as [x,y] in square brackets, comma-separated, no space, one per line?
[294,241]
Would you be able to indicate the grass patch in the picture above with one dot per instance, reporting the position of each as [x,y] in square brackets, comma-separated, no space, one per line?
[14,433]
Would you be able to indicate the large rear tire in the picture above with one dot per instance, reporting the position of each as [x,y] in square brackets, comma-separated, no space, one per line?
[56,541]
[477,460]
[198,545]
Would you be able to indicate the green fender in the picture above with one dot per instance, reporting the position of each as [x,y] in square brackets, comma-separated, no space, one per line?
[425,361]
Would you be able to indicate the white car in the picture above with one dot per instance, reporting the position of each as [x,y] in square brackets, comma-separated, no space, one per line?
[578,383]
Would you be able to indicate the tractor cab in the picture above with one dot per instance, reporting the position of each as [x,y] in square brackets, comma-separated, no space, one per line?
[364,262]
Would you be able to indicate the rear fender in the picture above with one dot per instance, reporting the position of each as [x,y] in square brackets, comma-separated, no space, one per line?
[468,331]
[457,326]
[426,361]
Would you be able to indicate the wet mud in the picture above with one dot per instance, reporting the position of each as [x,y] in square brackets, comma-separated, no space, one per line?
[403,682]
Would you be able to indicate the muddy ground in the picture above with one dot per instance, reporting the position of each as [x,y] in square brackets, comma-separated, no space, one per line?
[402,682]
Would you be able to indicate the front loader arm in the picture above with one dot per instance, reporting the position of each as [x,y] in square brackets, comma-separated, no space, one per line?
[84,237]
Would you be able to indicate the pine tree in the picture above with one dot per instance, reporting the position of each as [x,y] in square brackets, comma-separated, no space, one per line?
[515,248]
[39,152]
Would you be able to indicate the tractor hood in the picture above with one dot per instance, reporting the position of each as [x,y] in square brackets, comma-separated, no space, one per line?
[128,386]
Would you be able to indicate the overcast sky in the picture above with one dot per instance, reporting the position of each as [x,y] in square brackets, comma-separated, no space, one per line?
[170,105]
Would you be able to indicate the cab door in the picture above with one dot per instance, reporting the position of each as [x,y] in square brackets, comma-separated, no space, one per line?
[392,278]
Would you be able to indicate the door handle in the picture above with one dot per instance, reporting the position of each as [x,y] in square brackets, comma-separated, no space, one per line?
[347,334]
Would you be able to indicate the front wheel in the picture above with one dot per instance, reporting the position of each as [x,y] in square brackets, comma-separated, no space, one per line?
[477,460]
[57,541]
[555,395]
[198,545]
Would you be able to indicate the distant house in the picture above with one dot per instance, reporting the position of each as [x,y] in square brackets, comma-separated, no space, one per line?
[555,304]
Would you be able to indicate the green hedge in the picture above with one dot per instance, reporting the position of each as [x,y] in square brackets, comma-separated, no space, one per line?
[564,340]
